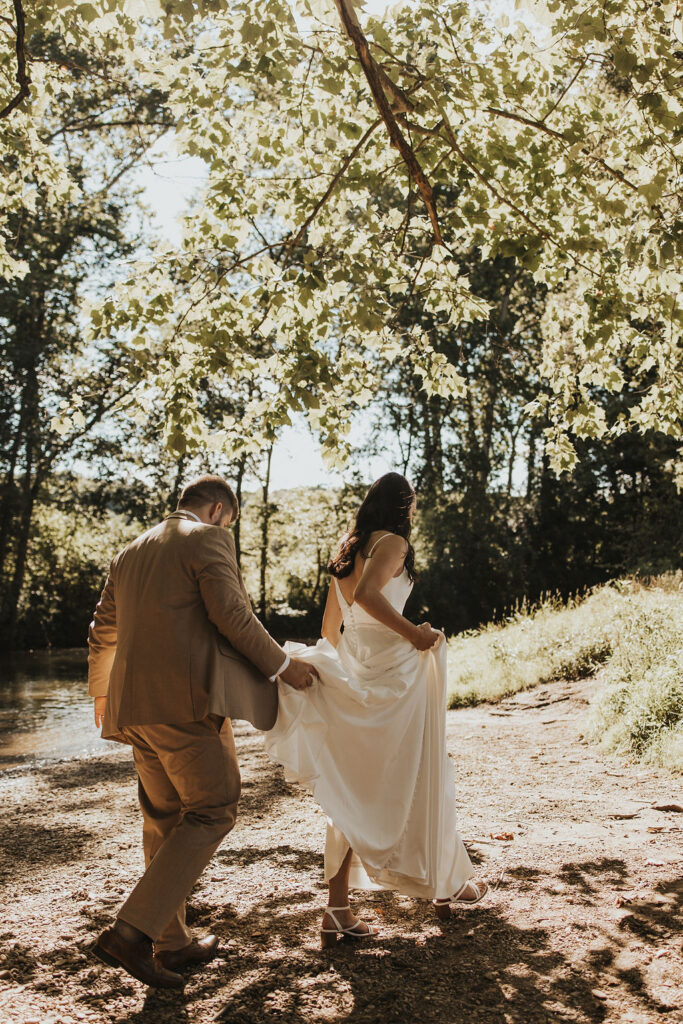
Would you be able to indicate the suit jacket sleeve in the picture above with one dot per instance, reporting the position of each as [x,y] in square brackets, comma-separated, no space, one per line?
[102,640]
[227,603]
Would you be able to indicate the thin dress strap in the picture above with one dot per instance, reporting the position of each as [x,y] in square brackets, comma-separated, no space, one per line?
[342,599]
[379,539]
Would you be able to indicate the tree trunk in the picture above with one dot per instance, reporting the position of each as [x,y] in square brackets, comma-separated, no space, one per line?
[318,576]
[10,609]
[488,420]
[265,523]
[513,455]
[8,496]
[175,492]
[477,475]
[431,477]
[239,479]
[492,394]
[8,503]
[531,468]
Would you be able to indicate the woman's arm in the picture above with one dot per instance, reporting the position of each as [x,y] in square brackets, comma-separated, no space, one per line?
[332,616]
[385,562]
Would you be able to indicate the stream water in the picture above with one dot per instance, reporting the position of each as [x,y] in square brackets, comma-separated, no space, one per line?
[45,710]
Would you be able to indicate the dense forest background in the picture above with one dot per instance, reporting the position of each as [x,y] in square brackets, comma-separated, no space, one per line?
[482,546]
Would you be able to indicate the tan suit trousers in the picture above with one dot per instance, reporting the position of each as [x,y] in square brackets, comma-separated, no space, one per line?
[189,785]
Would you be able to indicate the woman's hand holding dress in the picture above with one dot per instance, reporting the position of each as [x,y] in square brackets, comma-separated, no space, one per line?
[426,637]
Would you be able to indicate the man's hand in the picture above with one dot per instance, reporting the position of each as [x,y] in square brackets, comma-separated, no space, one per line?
[425,637]
[100,705]
[299,675]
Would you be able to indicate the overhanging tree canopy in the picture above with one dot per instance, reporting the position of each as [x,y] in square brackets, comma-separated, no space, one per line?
[328,141]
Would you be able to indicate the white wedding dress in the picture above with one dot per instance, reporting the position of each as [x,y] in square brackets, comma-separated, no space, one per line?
[369,740]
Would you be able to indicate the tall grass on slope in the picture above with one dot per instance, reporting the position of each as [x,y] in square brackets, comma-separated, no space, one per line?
[541,645]
[636,629]
[639,711]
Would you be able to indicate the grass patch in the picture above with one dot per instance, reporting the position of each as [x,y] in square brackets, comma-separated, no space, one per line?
[639,711]
[632,628]
[535,645]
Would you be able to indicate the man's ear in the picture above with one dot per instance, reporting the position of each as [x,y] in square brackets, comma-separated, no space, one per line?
[215,512]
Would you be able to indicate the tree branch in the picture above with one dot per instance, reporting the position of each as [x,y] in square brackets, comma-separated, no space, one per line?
[501,197]
[455,146]
[331,187]
[92,125]
[353,30]
[418,128]
[566,89]
[378,81]
[541,127]
[22,78]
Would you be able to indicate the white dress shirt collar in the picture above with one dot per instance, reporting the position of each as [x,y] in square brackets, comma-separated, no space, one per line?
[185,513]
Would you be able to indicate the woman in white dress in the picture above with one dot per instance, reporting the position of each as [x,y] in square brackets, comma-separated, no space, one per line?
[369,737]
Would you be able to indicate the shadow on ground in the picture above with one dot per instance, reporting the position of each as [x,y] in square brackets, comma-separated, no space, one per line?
[30,843]
[80,773]
[477,967]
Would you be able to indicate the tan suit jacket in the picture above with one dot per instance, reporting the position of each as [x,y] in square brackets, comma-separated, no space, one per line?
[174,637]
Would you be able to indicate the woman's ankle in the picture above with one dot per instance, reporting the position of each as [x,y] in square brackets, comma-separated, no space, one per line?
[338,899]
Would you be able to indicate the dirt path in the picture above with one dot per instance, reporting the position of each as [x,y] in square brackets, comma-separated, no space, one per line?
[584,924]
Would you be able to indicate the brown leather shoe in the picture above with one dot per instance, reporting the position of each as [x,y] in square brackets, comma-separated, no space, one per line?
[136,958]
[199,951]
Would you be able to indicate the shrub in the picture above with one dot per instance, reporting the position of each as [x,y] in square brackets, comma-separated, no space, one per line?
[640,709]
[67,566]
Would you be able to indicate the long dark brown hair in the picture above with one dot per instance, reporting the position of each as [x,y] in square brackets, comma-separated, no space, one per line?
[386,506]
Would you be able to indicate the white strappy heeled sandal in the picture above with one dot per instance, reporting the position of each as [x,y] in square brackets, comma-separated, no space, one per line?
[328,936]
[443,906]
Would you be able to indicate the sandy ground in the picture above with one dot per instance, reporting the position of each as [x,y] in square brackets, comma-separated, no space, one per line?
[584,923]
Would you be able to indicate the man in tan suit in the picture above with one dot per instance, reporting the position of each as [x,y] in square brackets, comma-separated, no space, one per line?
[175,652]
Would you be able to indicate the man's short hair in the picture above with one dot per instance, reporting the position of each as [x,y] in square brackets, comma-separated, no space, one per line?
[208,489]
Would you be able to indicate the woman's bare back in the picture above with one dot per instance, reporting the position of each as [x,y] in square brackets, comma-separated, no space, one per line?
[348,584]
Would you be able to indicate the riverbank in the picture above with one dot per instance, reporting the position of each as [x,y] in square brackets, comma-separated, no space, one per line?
[583,925]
